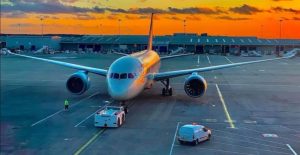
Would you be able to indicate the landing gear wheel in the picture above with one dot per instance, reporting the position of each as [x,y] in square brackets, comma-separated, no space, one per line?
[209,137]
[163,92]
[180,141]
[123,118]
[123,104]
[195,142]
[167,90]
[119,122]
[126,110]
[170,91]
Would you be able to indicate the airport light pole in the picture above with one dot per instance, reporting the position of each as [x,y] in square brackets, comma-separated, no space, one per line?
[100,29]
[262,30]
[19,25]
[42,26]
[184,24]
[280,21]
[119,20]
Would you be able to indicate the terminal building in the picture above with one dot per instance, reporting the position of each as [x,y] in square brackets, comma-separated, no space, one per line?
[163,44]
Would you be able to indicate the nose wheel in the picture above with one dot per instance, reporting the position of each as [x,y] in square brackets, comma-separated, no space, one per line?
[125,107]
[167,91]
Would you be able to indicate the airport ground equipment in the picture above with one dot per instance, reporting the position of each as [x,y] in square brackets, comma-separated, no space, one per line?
[193,133]
[111,116]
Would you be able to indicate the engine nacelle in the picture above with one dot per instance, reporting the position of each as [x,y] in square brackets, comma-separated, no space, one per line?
[78,83]
[195,85]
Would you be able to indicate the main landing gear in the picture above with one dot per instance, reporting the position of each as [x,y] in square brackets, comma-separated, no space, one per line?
[167,91]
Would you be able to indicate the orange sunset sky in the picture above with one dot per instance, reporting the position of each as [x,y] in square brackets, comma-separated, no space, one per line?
[216,17]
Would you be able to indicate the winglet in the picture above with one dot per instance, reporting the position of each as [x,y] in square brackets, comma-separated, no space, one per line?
[291,53]
[150,33]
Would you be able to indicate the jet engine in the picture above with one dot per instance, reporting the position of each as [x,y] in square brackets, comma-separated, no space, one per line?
[78,83]
[195,85]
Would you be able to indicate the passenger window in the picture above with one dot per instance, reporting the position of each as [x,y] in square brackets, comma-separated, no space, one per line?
[123,76]
[116,76]
[111,75]
[130,76]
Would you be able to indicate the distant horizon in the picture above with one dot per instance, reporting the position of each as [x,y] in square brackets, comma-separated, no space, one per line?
[208,35]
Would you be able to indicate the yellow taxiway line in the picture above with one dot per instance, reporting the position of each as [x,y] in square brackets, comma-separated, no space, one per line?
[89,142]
[225,108]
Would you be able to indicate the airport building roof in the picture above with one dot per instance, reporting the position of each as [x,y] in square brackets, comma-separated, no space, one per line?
[178,39]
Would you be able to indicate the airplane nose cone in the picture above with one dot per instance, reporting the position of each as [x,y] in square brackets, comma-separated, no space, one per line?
[118,94]
[118,91]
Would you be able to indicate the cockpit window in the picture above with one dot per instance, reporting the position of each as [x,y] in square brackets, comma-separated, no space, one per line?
[130,75]
[116,76]
[123,76]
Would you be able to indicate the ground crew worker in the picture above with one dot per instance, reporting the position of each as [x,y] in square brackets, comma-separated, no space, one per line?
[66,104]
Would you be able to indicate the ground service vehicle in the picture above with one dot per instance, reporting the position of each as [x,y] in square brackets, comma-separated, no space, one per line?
[111,116]
[193,133]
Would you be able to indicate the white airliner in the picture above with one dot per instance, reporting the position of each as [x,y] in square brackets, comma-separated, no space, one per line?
[129,75]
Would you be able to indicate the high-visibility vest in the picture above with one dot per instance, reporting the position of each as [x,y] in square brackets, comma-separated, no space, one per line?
[66,102]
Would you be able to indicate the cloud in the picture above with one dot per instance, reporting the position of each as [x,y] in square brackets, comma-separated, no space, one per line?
[84,16]
[147,10]
[187,18]
[6,2]
[15,14]
[69,1]
[54,17]
[116,10]
[22,25]
[144,17]
[132,17]
[245,9]
[281,9]
[232,18]
[192,18]
[112,17]
[296,18]
[281,0]
[20,8]
[47,17]
[284,18]
[194,10]
[173,18]
[169,10]
[45,7]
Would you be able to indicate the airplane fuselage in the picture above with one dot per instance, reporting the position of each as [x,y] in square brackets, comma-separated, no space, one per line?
[127,76]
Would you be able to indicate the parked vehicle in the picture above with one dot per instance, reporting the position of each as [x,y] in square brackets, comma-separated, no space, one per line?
[193,133]
[111,116]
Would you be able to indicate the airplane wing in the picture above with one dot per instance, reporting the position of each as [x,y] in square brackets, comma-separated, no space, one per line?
[70,65]
[174,56]
[172,74]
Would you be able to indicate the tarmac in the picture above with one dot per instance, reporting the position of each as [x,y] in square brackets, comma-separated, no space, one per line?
[251,110]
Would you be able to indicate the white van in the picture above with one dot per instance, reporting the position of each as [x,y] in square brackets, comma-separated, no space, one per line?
[193,133]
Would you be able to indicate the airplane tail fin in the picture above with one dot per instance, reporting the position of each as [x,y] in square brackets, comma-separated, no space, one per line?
[150,33]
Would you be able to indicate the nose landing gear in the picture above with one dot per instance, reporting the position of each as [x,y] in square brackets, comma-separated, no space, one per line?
[125,107]
[167,91]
